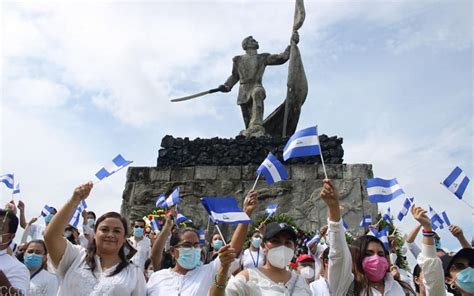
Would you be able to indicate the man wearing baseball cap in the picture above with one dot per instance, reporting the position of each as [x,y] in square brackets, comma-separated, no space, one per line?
[306,267]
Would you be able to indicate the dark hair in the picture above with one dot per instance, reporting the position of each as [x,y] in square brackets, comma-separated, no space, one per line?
[176,237]
[139,221]
[358,250]
[416,273]
[92,248]
[41,242]
[92,213]
[12,220]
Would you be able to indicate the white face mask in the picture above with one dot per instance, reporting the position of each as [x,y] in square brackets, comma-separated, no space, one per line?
[280,256]
[393,258]
[307,272]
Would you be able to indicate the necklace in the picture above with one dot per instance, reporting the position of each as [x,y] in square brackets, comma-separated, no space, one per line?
[251,256]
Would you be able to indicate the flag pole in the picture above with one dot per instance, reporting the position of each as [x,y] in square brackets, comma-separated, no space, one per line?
[394,230]
[220,233]
[469,205]
[322,158]
[256,180]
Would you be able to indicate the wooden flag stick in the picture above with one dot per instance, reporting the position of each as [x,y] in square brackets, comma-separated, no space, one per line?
[222,236]
[256,180]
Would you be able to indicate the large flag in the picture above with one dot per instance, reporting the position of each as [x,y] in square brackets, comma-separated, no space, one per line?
[457,182]
[304,142]
[115,165]
[8,180]
[182,218]
[160,200]
[17,189]
[46,210]
[172,200]
[225,210]
[271,209]
[273,170]
[406,208]
[436,220]
[366,221]
[387,217]
[380,190]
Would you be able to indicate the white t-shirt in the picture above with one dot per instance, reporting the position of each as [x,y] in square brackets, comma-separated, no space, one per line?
[143,248]
[196,282]
[259,284]
[77,279]
[44,283]
[16,273]
[36,231]
[320,287]
[251,258]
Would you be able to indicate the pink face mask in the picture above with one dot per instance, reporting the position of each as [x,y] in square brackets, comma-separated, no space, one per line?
[375,267]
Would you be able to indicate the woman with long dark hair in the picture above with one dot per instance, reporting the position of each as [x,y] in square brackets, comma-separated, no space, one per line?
[102,268]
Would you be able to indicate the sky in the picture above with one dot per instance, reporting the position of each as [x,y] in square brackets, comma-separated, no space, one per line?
[84,81]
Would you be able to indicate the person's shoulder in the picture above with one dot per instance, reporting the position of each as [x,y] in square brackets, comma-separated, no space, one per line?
[245,274]
[13,265]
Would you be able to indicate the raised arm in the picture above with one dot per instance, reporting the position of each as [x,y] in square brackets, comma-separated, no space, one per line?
[456,231]
[226,257]
[413,233]
[53,236]
[240,233]
[431,266]
[159,243]
[340,274]
[21,207]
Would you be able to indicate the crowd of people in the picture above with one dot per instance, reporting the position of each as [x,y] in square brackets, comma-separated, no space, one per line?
[102,258]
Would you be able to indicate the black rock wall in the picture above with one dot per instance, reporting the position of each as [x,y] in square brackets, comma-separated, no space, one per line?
[181,152]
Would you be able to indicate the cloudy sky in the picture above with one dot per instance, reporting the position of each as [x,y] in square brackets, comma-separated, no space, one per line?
[84,81]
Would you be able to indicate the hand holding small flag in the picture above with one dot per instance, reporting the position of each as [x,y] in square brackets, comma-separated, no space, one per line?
[250,202]
[421,216]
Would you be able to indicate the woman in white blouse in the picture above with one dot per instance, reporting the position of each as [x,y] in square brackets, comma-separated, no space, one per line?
[102,268]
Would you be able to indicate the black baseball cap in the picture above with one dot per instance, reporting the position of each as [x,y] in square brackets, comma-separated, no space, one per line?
[463,253]
[274,228]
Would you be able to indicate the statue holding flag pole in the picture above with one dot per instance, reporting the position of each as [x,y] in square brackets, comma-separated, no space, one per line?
[248,70]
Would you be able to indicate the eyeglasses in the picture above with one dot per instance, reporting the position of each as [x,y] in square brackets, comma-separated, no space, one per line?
[139,226]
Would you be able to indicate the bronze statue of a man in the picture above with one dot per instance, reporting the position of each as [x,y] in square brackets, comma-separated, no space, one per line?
[248,69]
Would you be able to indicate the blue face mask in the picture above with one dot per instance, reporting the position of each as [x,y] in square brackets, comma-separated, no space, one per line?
[189,258]
[138,232]
[465,280]
[33,261]
[90,222]
[48,218]
[217,244]
[256,242]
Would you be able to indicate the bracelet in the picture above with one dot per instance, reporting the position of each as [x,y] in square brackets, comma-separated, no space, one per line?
[428,233]
[219,286]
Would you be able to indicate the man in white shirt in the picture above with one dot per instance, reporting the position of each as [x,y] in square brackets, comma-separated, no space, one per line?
[141,243]
[35,231]
[14,276]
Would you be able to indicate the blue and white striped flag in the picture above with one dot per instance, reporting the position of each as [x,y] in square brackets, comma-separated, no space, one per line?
[74,220]
[271,209]
[315,240]
[172,200]
[457,182]
[225,210]
[47,210]
[344,224]
[380,190]
[273,170]
[115,165]
[406,208]
[436,221]
[160,200]
[366,221]
[387,216]
[17,189]
[202,237]
[372,231]
[445,218]
[155,225]
[8,180]
[382,235]
[304,142]
[182,218]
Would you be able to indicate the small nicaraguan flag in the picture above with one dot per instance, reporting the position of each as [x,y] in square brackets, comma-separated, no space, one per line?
[182,218]
[406,207]
[271,209]
[366,221]
[225,210]
[160,200]
[382,235]
[457,182]
[436,221]
[346,226]
[8,180]
[387,217]
[46,210]
[273,170]
[372,231]
[304,142]
[202,237]
[74,220]
[380,190]
[314,240]
[445,218]
[155,225]
[117,164]
[172,200]
[17,189]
